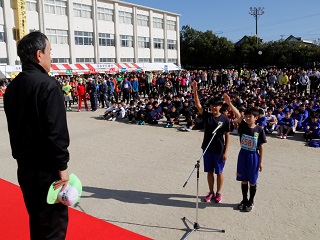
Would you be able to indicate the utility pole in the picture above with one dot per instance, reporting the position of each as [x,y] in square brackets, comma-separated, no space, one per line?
[256,13]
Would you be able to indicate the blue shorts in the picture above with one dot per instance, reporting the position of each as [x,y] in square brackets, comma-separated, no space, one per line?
[213,162]
[248,166]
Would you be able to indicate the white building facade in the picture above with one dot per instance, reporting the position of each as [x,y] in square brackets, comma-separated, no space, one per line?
[94,31]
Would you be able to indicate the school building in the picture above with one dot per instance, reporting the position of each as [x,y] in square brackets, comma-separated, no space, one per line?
[95,32]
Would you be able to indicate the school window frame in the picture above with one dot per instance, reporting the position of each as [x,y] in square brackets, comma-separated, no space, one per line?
[105,14]
[126,41]
[158,22]
[172,60]
[144,60]
[158,60]
[107,60]
[126,60]
[4,60]
[125,17]
[60,60]
[57,36]
[172,44]
[2,36]
[143,42]
[85,60]
[83,38]
[142,20]
[106,39]
[158,43]
[31,5]
[171,25]
[82,10]
[58,7]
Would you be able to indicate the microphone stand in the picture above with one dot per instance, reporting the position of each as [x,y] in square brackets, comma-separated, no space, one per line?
[196,226]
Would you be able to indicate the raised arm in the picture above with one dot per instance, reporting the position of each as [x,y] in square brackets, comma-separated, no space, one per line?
[233,108]
[196,97]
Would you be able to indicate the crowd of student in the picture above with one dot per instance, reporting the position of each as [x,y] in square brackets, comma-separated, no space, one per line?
[288,99]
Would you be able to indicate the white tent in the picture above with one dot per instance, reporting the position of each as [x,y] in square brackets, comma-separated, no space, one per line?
[158,66]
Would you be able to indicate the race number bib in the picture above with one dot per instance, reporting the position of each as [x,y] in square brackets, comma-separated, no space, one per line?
[249,142]
[126,85]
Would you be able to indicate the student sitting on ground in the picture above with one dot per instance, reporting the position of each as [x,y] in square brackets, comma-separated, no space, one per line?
[108,113]
[271,121]
[286,125]
[261,121]
[312,130]
[297,118]
[172,117]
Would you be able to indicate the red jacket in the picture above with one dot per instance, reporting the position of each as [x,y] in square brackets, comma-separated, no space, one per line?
[81,90]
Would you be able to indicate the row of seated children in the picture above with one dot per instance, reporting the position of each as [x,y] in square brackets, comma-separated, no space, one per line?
[288,122]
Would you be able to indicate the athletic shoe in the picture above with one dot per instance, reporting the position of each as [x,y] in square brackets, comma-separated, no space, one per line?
[209,197]
[249,206]
[242,205]
[79,110]
[167,125]
[141,123]
[218,198]
[284,136]
[170,125]
[189,129]
[183,128]
[113,119]
[281,135]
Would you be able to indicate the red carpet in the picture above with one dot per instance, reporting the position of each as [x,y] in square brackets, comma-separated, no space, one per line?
[14,220]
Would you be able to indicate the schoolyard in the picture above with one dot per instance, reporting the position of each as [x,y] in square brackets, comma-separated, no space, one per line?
[133,177]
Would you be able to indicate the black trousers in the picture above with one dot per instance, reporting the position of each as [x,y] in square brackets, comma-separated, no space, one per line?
[47,221]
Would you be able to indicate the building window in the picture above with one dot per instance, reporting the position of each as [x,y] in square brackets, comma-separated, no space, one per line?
[143,42]
[60,60]
[105,14]
[144,60]
[84,60]
[1,4]
[83,38]
[142,20]
[106,39]
[128,60]
[2,34]
[171,25]
[126,41]
[159,60]
[31,5]
[172,44]
[58,7]
[57,36]
[125,17]
[158,22]
[3,60]
[107,60]
[81,10]
[158,43]
[172,60]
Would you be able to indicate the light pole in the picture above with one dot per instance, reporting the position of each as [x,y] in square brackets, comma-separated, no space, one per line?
[256,12]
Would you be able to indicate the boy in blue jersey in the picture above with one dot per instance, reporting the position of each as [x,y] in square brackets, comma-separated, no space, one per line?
[261,121]
[216,155]
[250,159]
[286,125]
[312,130]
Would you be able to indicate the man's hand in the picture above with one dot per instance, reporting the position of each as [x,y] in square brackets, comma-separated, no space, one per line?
[64,178]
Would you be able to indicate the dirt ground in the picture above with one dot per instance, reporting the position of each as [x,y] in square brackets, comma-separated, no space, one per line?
[133,177]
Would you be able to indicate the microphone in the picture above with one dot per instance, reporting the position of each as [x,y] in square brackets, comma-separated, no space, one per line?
[220,124]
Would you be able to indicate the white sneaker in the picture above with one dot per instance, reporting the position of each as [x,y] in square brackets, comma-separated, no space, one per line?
[113,119]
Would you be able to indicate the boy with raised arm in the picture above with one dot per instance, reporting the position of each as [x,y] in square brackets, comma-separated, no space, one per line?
[216,154]
[250,159]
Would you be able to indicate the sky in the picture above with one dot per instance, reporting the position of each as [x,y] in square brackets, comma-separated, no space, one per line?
[231,18]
